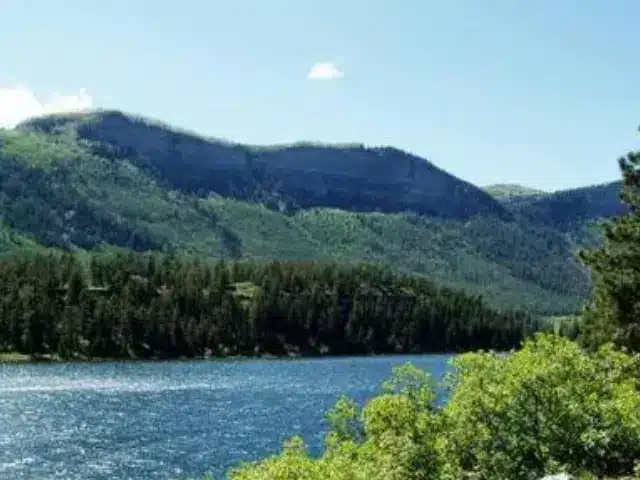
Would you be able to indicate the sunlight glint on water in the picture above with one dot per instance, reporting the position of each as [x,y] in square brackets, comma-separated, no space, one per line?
[170,420]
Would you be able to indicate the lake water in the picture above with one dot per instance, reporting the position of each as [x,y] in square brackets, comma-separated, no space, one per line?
[171,420]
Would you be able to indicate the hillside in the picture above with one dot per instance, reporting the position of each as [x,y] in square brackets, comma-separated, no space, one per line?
[566,209]
[91,181]
[510,190]
[286,178]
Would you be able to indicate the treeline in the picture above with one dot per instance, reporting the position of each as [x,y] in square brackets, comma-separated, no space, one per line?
[129,305]
[553,409]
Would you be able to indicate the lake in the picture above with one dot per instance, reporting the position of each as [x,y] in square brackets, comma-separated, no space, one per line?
[172,420]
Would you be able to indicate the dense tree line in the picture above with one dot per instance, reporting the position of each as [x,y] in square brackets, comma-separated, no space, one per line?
[116,182]
[128,305]
[552,407]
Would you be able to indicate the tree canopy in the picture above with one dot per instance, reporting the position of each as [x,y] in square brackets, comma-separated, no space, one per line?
[550,407]
[614,311]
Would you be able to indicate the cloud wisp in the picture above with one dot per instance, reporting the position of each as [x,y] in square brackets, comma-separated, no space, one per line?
[325,71]
[18,104]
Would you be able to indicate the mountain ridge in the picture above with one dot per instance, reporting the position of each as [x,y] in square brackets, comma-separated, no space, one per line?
[108,179]
[307,175]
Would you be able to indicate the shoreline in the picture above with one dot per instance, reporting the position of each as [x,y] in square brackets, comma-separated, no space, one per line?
[17,358]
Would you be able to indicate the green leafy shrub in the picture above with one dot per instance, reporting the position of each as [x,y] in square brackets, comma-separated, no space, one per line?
[547,408]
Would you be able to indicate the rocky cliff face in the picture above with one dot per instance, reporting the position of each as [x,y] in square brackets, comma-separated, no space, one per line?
[352,177]
[108,178]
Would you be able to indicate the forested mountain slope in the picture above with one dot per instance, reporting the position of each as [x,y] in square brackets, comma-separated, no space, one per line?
[508,191]
[565,209]
[287,178]
[104,179]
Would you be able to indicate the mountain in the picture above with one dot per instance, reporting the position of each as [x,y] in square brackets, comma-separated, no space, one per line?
[106,179]
[567,209]
[510,190]
[287,178]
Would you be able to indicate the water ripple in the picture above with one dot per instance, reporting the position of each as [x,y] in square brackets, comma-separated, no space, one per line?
[170,420]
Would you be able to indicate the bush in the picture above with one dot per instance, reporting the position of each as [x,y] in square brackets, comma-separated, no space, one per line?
[547,408]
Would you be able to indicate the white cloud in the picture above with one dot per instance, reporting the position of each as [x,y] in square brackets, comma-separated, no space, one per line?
[325,71]
[19,103]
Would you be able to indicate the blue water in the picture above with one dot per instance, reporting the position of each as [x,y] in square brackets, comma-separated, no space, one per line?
[171,420]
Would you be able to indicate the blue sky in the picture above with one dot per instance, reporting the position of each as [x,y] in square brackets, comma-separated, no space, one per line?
[543,92]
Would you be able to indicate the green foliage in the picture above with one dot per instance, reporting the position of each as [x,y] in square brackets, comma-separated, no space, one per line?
[570,210]
[546,408]
[569,326]
[104,180]
[509,190]
[396,439]
[343,421]
[614,312]
[125,305]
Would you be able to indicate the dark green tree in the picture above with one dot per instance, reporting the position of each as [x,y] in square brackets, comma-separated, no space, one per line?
[167,307]
[614,310]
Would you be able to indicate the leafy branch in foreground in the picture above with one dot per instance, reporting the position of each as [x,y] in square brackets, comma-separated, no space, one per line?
[547,408]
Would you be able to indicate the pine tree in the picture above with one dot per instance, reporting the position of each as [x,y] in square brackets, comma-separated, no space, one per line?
[614,311]
[76,286]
